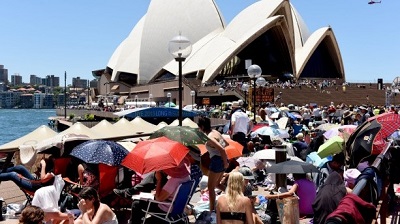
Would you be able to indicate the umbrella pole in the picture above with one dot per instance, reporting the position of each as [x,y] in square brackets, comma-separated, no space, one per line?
[376,164]
[280,156]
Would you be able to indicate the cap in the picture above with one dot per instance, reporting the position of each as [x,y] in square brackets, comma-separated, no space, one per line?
[300,135]
[247,173]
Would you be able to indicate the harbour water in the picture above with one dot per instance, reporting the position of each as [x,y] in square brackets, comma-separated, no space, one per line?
[15,123]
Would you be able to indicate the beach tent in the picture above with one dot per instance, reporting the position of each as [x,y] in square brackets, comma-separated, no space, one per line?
[126,127]
[185,122]
[32,138]
[188,122]
[161,125]
[106,130]
[128,145]
[143,126]
[80,129]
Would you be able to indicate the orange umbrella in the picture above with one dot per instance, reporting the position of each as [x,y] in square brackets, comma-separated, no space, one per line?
[233,150]
[155,154]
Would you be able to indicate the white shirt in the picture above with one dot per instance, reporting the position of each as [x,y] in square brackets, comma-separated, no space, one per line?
[240,121]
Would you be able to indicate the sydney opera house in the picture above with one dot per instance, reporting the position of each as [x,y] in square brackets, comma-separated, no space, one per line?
[269,33]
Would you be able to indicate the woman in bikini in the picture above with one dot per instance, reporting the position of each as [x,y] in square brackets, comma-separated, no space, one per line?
[92,210]
[233,207]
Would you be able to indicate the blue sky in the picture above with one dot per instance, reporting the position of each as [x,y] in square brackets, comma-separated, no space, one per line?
[44,37]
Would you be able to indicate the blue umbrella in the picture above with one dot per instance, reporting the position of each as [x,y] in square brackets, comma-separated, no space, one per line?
[100,151]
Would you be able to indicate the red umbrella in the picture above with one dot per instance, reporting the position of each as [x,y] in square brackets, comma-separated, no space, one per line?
[155,154]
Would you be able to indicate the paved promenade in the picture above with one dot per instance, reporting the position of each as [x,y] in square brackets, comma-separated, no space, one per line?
[12,194]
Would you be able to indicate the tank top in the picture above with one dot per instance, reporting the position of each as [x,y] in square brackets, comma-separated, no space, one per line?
[213,151]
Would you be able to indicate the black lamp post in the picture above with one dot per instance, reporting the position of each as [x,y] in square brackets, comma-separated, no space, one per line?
[169,99]
[150,99]
[65,95]
[180,47]
[254,71]
[136,99]
[245,89]
[192,93]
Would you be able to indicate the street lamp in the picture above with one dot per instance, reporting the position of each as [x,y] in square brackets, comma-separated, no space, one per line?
[254,72]
[169,98]
[221,91]
[150,99]
[245,89]
[260,82]
[180,47]
[192,93]
[136,99]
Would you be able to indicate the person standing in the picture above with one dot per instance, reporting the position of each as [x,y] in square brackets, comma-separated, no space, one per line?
[300,145]
[240,126]
[219,160]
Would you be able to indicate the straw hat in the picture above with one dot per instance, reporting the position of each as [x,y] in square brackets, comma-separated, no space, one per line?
[235,104]
[300,136]
[28,155]
[347,113]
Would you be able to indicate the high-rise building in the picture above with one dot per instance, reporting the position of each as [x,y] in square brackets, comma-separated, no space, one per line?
[52,81]
[79,83]
[16,79]
[3,74]
[34,80]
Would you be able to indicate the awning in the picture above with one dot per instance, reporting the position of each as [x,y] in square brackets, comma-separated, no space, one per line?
[172,88]
[140,91]
[121,99]
[115,87]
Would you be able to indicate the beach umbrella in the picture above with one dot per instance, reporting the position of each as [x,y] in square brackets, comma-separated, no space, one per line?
[170,104]
[155,154]
[183,134]
[268,154]
[370,137]
[233,150]
[100,151]
[326,126]
[273,132]
[339,130]
[331,147]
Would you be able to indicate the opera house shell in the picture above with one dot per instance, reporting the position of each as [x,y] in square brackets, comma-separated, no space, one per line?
[270,33]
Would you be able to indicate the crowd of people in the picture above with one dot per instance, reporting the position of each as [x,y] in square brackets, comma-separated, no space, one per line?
[227,187]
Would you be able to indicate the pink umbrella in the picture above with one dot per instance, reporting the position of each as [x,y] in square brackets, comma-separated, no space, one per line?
[338,131]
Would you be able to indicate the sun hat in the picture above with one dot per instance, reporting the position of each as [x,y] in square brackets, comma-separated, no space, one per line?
[300,136]
[28,154]
[350,176]
[347,113]
[247,173]
[235,104]
[362,108]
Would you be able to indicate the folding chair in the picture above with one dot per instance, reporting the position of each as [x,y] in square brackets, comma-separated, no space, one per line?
[176,211]
[61,166]
[107,175]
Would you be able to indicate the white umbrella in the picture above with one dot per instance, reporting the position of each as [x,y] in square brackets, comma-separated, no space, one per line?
[273,132]
[267,154]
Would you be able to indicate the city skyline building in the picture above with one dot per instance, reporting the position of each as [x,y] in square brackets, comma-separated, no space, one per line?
[3,74]
[16,79]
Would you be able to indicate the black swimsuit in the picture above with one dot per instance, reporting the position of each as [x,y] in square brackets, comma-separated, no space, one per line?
[240,216]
